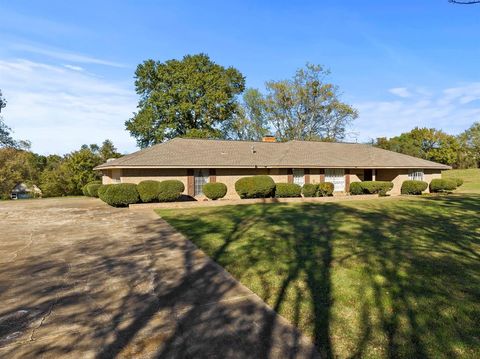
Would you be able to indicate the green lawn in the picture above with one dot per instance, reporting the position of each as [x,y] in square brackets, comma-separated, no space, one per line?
[397,277]
[471,179]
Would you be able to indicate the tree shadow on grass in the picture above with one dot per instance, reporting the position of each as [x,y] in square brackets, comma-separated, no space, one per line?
[412,267]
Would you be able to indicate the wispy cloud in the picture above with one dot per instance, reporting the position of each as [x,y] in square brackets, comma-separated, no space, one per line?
[452,109]
[65,56]
[59,108]
[73,67]
[400,91]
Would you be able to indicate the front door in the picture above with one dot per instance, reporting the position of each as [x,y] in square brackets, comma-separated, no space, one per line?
[367,174]
[337,177]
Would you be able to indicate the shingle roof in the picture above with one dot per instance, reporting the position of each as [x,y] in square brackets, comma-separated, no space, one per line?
[200,153]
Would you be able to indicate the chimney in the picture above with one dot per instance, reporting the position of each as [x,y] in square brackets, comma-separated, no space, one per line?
[269,138]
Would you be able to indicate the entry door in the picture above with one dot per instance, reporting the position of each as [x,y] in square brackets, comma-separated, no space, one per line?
[337,177]
[201,177]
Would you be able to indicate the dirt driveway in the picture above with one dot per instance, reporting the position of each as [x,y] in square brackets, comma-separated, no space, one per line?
[80,279]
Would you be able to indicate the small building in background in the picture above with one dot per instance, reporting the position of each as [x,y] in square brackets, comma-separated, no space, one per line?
[24,191]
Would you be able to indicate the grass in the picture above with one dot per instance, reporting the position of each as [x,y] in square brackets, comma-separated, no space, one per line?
[471,178]
[390,278]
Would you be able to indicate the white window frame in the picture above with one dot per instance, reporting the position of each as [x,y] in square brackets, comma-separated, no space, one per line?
[298,176]
[337,177]
[200,177]
[416,174]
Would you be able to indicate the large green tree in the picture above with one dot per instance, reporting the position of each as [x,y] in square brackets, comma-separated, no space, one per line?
[6,139]
[427,143]
[470,147]
[250,122]
[16,166]
[307,107]
[191,97]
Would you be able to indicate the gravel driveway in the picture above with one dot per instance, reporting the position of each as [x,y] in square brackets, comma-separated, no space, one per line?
[80,279]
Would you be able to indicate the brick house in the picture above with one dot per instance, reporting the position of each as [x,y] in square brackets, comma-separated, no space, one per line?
[198,161]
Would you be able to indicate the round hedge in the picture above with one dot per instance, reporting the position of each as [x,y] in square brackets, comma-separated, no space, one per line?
[102,190]
[459,181]
[215,190]
[356,188]
[85,188]
[148,190]
[92,189]
[285,190]
[120,195]
[255,187]
[413,187]
[442,185]
[310,190]
[170,190]
[325,189]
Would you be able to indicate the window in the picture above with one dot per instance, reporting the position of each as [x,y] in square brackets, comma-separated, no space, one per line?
[298,176]
[200,178]
[337,177]
[416,175]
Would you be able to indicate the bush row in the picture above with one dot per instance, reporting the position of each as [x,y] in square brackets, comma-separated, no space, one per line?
[370,187]
[123,194]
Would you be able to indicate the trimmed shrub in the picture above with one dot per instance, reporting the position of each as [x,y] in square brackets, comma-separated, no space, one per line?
[92,189]
[325,189]
[170,190]
[255,187]
[120,195]
[459,181]
[310,190]
[215,190]
[284,190]
[174,185]
[413,187]
[85,188]
[148,190]
[102,190]
[371,187]
[356,188]
[442,185]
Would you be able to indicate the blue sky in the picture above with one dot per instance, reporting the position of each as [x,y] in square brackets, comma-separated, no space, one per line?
[66,67]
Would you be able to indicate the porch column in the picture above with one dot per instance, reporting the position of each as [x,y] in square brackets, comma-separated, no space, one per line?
[374,174]
[289,175]
[347,180]
[322,175]
[307,175]
[213,175]
[190,183]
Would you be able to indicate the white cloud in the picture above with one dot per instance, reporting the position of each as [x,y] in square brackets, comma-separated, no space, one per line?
[59,108]
[65,56]
[400,91]
[73,67]
[452,110]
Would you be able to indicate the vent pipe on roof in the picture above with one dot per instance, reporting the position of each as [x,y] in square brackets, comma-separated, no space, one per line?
[253,149]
